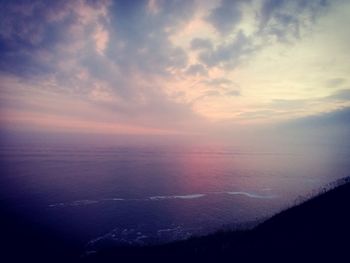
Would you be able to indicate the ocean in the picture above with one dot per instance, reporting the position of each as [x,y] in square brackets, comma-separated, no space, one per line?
[145,194]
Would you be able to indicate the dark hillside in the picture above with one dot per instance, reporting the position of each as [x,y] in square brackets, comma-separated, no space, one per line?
[317,230]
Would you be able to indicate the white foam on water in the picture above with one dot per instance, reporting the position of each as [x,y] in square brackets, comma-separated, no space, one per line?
[191,196]
[251,195]
[83,202]
[57,204]
[135,236]
[160,198]
[113,199]
[86,202]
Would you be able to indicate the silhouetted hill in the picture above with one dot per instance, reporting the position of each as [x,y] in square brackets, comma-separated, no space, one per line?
[317,230]
[24,239]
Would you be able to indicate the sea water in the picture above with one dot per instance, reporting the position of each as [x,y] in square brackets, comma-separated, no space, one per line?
[144,194]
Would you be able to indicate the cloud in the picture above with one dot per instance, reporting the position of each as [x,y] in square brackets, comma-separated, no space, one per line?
[270,20]
[35,37]
[166,63]
[196,69]
[101,37]
[234,93]
[140,41]
[226,16]
[228,55]
[64,42]
[283,104]
[217,82]
[335,118]
[335,82]
[284,19]
[200,43]
[341,95]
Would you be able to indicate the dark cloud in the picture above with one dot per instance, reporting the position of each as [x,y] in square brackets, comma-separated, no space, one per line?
[144,37]
[228,55]
[340,117]
[140,47]
[35,36]
[221,87]
[197,69]
[276,20]
[226,16]
[21,33]
[138,40]
[39,38]
[224,86]
[284,19]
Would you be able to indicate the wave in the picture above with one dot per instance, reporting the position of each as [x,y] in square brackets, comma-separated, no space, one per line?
[252,195]
[160,198]
[113,199]
[75,203]
[136,236]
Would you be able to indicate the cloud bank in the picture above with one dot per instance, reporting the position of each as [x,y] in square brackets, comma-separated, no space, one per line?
[170,67]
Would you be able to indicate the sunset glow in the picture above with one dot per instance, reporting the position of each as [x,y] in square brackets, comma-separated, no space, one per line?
[147,67]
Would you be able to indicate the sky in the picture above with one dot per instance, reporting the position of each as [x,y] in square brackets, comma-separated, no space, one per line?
[175,67]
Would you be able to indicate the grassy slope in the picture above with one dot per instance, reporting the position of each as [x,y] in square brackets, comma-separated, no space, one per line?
[315,231]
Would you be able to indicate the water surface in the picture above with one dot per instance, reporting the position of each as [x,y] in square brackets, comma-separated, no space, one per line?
[103,195]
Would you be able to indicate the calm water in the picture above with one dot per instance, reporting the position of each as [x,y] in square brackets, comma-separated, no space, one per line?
[142,194]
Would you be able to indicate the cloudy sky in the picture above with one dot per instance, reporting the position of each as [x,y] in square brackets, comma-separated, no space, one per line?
[171,66]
